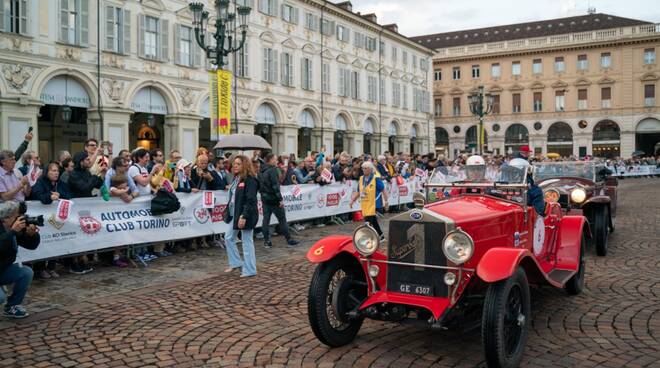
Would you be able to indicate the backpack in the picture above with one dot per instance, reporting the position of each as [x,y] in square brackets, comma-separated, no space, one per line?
[164,202]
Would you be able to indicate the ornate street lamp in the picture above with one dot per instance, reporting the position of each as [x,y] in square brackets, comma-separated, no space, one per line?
[225,28]
[480,105]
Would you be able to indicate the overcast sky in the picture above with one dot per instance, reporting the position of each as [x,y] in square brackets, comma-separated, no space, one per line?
[419,17]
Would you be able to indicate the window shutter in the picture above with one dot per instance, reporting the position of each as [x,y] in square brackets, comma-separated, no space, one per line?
[274,7]
[24,17]
[284,71]
[310,74]
[126,24]
[265,66]
[177,42]
[275,70]
[141,30]
[84,22]
[2,17]
[263,6]
[341,82]
[282,12]
[296,15]
[582,94]
[164,26]
[606,93]
[64,27]
[196,51]
[109,28]
[245,72]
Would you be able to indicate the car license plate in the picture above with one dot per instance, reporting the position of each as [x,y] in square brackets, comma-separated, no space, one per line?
[407,288]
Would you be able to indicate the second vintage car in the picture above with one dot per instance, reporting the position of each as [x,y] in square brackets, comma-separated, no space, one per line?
[582,188]
[467,259]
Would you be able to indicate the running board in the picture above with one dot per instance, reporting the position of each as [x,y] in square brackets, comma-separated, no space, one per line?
[560,276]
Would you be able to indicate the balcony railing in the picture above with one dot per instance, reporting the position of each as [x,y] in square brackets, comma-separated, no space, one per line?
[550,41]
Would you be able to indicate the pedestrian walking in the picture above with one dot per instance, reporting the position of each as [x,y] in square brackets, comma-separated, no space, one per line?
[273,203]
[242,215]
[372,195]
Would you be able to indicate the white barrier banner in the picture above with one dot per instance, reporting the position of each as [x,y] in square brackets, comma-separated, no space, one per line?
[636,170]
[94,224]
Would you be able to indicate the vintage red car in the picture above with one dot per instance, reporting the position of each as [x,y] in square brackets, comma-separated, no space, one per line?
[467,259]
[585,188]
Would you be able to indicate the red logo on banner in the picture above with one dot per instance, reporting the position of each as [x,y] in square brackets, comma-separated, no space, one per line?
[63,212]
[296,190]
[403,190]
[260,207]
[320,201]
[216,213]
[332,200]
[89,225]
[201,215]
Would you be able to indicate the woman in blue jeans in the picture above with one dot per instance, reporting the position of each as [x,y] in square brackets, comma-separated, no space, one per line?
[242,215]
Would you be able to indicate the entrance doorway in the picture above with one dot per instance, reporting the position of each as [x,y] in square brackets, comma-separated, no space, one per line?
[145,130]
[647,136]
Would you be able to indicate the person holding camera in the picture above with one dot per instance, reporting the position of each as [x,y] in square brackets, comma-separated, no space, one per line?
[15,232]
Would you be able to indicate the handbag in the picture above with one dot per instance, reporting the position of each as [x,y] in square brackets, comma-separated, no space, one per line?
[164,202]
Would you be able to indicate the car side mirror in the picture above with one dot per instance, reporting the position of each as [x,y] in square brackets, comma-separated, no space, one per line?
[419,200]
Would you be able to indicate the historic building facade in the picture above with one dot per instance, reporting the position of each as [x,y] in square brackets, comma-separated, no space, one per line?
[583,85]
[312,73]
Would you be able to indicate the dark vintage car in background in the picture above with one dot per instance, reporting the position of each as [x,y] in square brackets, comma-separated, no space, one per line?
[582,188]
[466,260]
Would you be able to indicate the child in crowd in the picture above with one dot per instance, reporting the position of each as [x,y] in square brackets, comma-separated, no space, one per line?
[119,187]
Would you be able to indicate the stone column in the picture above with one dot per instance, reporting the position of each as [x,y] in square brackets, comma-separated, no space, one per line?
[114,127]
[285,139]
[245,126]
[402,144]
[15,119]
[496,143]
[455,144]
[182,133]
[627,143]
[380,142]
[354,142]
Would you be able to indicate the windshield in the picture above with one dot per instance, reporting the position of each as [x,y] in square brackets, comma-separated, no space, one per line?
[478,174]
[575,169]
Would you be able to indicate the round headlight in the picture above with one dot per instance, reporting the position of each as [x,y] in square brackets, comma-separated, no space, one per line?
[365,240]
[458,247]
[578,195]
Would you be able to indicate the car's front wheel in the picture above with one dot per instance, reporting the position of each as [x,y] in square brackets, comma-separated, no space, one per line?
[601,229]
[506,319]
[338,286]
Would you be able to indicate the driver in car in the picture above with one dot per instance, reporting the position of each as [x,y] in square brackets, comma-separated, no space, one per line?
[534,193]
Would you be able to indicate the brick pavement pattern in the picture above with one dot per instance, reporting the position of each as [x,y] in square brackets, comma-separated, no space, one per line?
[221,320]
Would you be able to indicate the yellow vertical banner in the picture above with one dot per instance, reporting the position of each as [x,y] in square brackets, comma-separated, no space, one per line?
[224,102]
[213,105]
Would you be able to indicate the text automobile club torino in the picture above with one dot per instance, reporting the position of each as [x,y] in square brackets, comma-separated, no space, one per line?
[466,259]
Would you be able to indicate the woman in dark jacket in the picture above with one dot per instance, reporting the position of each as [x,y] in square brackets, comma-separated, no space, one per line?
[242,215]
[49,187]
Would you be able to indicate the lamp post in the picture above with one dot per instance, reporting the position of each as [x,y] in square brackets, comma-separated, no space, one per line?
[480,108]
[225,28]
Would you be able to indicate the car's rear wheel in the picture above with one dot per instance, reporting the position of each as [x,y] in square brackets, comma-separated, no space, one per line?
[337,287]
[505,321]
[601,229]
[575,284]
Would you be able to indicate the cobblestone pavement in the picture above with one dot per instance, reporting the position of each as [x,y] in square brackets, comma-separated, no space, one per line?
[183,312]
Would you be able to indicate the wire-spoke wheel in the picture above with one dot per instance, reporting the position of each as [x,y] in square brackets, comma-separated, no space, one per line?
[337,287]
[575,284]
[505,321]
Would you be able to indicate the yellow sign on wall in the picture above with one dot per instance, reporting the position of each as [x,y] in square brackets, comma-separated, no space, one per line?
[220,103]
[224,102]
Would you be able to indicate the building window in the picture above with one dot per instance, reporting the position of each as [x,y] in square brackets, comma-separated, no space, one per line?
[560,100]
[382,96]
[538,101]
[117,30]
[151,37]
[185,46]
[456,106]
[289,14]
[437,75]
[359,40]
[343,33]
[582,63]
[325,78]
[14,16]
[559,64]
[74,16]
[456,73]
[496,104]
[515,68]
[437,107]
[582,99]
[327,27]
[423,64]
[495,70]
[242,60]
[475,71]
[516,102]
[287,69]
[395,55]
[270,65]
[649,95]
[537,66]
[306,74]
[405,97]
[355,85]
[396,94]
[414,61]
[649,56]
[311,22]
[372,88]
[344,82]
[606,97]
[382,48]
[268,7]
[371,44]
[404,57]
[605,60]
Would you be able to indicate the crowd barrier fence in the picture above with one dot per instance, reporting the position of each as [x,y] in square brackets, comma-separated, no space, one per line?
[634,170]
